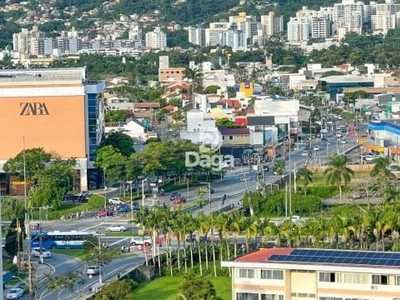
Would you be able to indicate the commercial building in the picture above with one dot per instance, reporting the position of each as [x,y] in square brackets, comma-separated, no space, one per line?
[383,137]
[297,274]
[334,85]
[59,110]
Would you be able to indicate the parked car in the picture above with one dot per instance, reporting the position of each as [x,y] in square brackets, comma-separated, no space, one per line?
[36,252]
[179,200]
[317,148]
[15,293]
[116,228]
[141,240]
[69,197]
[104,213]
[304,153]
[115,201]
[174,195]
[93,270]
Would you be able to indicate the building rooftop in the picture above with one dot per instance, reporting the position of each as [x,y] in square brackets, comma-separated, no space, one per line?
[373,90]
[344,258]
[346,78]
[234,131]
[43,75]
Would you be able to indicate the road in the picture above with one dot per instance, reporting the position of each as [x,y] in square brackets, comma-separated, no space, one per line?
[234,185]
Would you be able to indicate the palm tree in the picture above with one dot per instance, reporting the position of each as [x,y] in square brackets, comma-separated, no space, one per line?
[221,223]
[338,173]
[279,167]
[235,228]
[304,177]
[212,221]
[382,172]
[195,76]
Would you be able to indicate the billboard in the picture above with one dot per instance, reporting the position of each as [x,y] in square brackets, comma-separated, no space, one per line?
[261,120]
[56,123]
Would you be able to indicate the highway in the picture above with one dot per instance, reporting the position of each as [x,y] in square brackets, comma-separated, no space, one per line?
[233,185]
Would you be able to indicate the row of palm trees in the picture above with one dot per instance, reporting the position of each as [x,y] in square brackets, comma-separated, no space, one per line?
[357,229]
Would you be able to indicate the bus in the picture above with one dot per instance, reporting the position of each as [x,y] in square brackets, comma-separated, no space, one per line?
[60,239]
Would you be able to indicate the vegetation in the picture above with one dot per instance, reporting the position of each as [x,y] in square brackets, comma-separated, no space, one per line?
[117,290]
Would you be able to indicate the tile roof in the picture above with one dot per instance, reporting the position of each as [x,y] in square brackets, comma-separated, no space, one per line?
[234,131]
[230,103]
[262,255]
[327,257]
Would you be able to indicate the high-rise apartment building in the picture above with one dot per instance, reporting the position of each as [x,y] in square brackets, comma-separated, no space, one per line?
[156,39]
[348,12]
[299,29]
[271,24]
[197,35]
[234,38]
[320,28]
[383,21]
[248,24]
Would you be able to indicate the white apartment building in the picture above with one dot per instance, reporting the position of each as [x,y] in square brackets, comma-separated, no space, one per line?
[299,29]
[156,39]
[383,21]
[315,274]
[235,39]
[320,28]
[348,12]
[271,24]
[214,33]
[248,24]
[197,35]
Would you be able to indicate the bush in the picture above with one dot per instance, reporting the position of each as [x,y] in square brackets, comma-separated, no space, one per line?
[96,202]
[306,204]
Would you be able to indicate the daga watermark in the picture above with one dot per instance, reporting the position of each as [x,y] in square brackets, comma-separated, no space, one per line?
[210,141]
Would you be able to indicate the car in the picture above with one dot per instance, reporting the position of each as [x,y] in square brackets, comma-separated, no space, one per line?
[180,200]
[36,252]
[174,196]
[317,148]
[304,153]
[324,139]
[93,270]
[116,201]
[343,141]
[141,240]
[116,228]
[69,197]
[15,293]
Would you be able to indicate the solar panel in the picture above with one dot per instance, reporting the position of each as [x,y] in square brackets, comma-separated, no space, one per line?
[346,257]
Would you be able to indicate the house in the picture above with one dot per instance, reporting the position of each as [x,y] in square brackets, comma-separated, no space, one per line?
[145,110]
[235,136]
[316,274]
[117,103]
[133,128]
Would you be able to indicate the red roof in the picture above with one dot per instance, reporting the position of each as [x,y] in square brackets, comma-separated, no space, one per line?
[170,107]
[263,254]
[230,103]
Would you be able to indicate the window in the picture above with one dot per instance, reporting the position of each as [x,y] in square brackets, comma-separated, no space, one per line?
[353,278]
[326,277]
[397,280]
[231,137]
[271,297]
[246,296]
[272,274]
[380,279]
[246,273]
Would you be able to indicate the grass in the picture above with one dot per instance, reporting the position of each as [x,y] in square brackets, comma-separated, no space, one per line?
[320,180]
[77,253]
[124,233]
[166,288]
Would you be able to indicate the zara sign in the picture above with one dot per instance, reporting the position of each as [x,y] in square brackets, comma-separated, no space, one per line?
[33,109]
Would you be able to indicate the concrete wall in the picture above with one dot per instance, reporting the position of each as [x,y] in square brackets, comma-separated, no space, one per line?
[355,168]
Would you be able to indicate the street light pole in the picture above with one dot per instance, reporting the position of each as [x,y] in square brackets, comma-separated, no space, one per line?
[130,187]
[27,227]
[100,261]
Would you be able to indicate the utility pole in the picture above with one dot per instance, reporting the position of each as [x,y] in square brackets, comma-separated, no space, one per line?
[294,178]
[27,228]
[286,200]
[100,261]
[130,187]
[290,172]
[209,196]
[248,193]
[142,192]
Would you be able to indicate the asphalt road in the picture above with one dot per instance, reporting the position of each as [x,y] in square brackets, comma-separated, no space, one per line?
[234,185]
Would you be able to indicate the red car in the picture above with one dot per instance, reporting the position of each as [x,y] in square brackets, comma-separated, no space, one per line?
[179,200]
[104,213]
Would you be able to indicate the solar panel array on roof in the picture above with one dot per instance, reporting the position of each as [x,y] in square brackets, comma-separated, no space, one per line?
[340,257]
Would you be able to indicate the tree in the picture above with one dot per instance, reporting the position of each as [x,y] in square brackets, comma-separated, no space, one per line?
[195,77]
[67,282]
[304,176]
[196,287]
[226,123]
[35,160]
[279,167]
[96,253]
[117,290]
[113,116]
[51,183]
[338,173]
[120,141]
[16,232]
[211,89]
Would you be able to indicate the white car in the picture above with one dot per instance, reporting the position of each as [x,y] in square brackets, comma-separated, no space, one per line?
[343,141]
[116,228]
[304,153]
[36,252]
[115,201]
[93,270]
[141,240]
[317,148]
[15,293]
